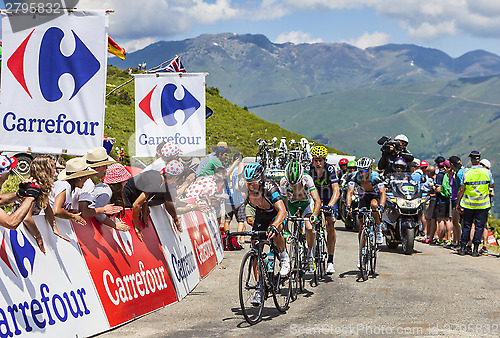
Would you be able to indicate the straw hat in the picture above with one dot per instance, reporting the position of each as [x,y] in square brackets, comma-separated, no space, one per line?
[116,173]
[7,163]
[97,157]
[76,167]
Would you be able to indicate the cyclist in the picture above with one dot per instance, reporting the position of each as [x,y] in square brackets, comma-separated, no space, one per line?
[343,168]
[326,181]
[270,213]
[299,192]
[371,190]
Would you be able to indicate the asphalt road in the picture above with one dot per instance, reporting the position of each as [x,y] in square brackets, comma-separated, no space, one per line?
[433,292]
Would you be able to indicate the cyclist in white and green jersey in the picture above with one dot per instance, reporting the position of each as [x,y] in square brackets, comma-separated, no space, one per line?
[299,192]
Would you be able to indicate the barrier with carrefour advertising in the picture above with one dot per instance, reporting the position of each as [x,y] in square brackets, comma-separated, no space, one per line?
[101,278]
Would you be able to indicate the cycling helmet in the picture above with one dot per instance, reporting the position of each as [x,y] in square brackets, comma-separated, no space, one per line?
[254,172]
[319,151]
[293,172]
[343,161]
[400,161]
[364,163]
[402,138]
[351,164]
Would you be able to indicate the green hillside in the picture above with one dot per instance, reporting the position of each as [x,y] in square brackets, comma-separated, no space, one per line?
[229,123]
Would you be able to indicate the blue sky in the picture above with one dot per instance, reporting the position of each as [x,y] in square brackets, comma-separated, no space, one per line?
[453,26]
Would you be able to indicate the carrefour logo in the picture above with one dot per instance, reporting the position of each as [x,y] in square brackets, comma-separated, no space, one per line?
[170,104]
[81,65]
[24,253]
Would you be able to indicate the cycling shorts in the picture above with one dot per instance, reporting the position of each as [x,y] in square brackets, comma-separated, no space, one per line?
[263,219]
[366,199]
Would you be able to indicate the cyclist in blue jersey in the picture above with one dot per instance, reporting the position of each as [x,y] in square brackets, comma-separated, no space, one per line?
[326,181]
[371,189]
[270,213]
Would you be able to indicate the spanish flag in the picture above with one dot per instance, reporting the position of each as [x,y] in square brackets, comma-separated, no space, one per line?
[115,49]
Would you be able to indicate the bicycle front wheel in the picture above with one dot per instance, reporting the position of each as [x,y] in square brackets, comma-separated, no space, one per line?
[373,256]
[364,246]
[282,290]
[294,268]
[250,286]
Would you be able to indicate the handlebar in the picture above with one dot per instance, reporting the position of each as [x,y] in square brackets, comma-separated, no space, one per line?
[299,219]
[248,233]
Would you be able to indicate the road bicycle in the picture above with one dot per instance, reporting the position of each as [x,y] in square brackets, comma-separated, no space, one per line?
[367,245]
[258,273]
[298,254]
[320,247]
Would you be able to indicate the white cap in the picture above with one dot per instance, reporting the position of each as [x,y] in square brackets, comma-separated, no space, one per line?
[486,163]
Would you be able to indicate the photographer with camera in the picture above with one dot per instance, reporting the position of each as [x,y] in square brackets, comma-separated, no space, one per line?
[391,150]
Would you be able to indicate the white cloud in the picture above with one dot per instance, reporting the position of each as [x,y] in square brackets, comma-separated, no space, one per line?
[371,40]
[296,37]
[423,19]
[133,45]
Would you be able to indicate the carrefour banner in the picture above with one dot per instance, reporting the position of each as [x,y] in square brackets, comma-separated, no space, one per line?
[54,82]
[170,107]
[47,294]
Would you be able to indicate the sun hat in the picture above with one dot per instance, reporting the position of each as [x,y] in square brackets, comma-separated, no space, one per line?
[116,173]
[486,163]
[76,167]
[173,167]
[170,149]
[7,163]
[97,157]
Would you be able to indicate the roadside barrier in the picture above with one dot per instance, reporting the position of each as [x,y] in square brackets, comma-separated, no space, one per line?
[102,278]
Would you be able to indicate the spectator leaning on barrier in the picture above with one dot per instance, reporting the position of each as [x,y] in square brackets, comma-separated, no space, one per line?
[62,199]
[97,159]
[188,175]
[209,157]
[166,153]
[474,202]
[42,169]
[111,190]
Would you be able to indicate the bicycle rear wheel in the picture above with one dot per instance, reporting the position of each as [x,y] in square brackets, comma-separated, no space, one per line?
[364,246]
[282,290]
[373,255]
[249,284]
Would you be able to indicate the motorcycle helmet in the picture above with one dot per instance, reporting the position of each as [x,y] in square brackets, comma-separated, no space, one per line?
[364,163]
[401,138]
[343,161]
[254,172]
[319,151]
[351,164]
[293,172]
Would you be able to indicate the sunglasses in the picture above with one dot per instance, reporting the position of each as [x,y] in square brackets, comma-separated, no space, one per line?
[363,170]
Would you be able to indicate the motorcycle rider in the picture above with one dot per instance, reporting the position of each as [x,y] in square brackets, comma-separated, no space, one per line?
[371,190]
[392,150]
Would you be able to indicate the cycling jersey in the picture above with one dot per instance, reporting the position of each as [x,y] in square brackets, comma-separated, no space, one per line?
[299,198]
[375,181]
[324,183]
[264,217]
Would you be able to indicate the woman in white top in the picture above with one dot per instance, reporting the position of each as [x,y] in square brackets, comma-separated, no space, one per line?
[73,176]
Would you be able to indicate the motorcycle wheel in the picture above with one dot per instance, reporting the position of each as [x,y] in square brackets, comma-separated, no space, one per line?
[355,222]
[408,240]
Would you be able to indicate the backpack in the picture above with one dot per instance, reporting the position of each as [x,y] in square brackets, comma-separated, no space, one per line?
[446,187]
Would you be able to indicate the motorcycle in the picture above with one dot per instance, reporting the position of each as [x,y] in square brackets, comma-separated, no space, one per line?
[404,206]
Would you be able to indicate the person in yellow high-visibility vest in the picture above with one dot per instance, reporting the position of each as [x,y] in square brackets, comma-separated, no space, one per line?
[473,202]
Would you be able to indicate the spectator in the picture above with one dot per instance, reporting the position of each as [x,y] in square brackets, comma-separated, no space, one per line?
[458,172]
[188,176]
[61,199]
[474,202]
[42,169]
[6,166]
[221,155]
[111,190]
[416,171]
[235,204]
[96,158]
[29,190]
[442,209]
[152,188]
[429,209]
[209,157]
